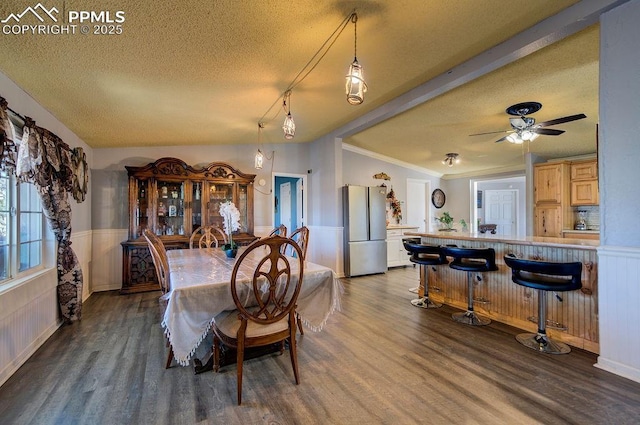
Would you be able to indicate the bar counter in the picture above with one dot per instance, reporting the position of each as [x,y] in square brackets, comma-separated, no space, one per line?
[497,297]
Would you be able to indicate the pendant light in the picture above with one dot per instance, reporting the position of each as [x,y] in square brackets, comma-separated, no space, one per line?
[259,158]
[289,127]
[355,84]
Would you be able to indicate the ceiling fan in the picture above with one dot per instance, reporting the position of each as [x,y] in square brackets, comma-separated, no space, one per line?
[524,128]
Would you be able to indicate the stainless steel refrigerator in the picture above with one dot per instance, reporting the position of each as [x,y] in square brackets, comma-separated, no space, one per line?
[365,230]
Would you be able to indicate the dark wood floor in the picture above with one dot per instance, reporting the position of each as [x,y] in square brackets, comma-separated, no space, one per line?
[379,361]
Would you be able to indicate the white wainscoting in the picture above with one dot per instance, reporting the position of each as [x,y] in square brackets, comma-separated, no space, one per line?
[619,294]
[81,243]
[28,317]
[106,265]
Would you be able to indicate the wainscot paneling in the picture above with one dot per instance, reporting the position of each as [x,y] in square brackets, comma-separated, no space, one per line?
[81,242]
[106,264]
[28,317]
[619,313]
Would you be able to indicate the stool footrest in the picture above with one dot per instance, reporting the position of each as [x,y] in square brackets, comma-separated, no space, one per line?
[470,318]
[542,343]
[425,302]
[549,323]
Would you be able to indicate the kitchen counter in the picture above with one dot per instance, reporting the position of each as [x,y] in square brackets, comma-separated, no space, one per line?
[519,240]
[401,226]
[504,301]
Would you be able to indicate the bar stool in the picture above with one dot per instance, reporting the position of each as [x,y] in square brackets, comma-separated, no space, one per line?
[471,260]
[544,276]
[425,256]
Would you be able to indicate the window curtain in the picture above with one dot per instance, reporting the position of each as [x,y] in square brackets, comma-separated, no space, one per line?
[46,161]
[7,147]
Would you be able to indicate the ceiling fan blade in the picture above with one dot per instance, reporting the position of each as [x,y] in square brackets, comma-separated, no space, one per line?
[492,132]
[547,131]
[562,120]
[502,139]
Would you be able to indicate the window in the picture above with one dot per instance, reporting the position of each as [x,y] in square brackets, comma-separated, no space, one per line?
[21,228]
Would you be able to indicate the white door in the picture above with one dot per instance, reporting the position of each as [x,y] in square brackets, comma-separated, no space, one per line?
[417,203]
[500,209]
[285,206]
[300,219]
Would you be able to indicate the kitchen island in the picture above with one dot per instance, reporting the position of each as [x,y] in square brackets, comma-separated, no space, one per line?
[572,317]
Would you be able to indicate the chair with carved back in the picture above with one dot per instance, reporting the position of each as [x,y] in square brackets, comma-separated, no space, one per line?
[207,237]
[161,264]
[301,237]
[280,231]
[265,303]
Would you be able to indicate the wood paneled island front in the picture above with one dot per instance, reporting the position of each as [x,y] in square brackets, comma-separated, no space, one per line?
[572,317]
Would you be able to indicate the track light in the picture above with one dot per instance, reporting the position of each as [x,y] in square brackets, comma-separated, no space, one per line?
[289,127]
[356,86]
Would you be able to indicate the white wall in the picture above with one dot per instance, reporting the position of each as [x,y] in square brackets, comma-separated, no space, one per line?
[619,156]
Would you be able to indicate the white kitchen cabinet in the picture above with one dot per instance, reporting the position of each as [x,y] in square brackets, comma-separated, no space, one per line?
[396,254]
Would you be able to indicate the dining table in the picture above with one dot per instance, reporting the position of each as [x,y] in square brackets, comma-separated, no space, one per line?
[200,290]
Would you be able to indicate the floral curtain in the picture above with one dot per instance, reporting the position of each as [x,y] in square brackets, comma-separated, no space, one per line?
[43,161]
[7,147]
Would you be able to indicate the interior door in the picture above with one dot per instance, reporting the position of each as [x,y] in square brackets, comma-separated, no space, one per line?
[501,209]
[285,205]
[417,203]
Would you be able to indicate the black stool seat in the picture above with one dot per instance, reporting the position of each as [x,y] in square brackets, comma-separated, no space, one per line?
[471,260]
[544,276]
[424,255]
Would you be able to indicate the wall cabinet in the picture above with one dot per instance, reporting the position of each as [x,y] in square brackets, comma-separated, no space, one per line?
[551,195]
[396,254]
[173,199]
[584,183]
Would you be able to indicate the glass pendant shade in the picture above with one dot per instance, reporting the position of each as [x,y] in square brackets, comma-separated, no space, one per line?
[289,127]
[515,138]
[259,159]
[355,85]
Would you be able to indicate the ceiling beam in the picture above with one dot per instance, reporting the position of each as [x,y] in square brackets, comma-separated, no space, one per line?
[569,21]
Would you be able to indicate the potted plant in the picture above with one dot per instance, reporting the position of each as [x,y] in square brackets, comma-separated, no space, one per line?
[446,220]
[231,217]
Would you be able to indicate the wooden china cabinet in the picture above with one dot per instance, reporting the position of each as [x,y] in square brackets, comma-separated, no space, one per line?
[173,199]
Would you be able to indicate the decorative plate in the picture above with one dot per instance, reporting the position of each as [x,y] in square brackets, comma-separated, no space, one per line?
[438,198]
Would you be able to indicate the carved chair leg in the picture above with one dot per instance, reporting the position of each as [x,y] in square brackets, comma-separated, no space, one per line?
[169,358]
[239,361]
[299,324]
[216,353]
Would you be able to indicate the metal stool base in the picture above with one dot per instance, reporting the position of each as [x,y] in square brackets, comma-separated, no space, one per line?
[542,343]
[470,318]
[425,302]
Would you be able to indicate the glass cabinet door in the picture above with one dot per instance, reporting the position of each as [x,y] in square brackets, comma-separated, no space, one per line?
[170,208]
[141,209]
[243,207]
[218,194]
[196,205]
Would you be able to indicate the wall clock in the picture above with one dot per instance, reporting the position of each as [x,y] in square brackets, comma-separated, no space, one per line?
[438,198]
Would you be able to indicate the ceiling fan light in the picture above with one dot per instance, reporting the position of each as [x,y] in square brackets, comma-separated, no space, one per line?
[515,139]
[289,127]
[355,84]
[534,136]
[527,135]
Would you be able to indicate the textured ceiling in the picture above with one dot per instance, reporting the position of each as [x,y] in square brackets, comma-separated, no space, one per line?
[195,72]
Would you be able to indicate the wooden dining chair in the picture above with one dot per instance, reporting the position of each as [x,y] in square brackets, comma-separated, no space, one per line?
[207,237]
[301,237]
[161,264]
[265,303]
[280,231]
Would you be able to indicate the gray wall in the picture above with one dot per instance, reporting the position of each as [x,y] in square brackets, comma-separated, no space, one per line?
[619,141]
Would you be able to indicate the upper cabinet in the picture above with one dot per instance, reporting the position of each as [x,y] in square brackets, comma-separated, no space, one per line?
[172,199]
[584,183]
[551,182]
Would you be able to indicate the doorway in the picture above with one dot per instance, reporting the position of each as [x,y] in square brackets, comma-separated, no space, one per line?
[289,203]
[480,204]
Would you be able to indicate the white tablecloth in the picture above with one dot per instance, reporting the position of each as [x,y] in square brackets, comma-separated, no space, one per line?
[200,290]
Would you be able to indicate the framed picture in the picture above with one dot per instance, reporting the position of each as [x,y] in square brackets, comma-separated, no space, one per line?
[479,199]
